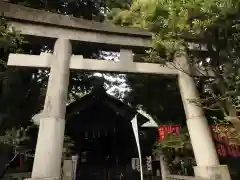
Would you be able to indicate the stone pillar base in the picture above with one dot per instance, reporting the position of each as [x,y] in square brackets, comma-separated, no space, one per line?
[220,172]
[49,178]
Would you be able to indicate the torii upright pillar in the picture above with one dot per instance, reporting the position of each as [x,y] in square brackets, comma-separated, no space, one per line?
[48,155]
[208,165]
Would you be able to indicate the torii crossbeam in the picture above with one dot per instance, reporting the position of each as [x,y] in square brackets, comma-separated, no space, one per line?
[79,63]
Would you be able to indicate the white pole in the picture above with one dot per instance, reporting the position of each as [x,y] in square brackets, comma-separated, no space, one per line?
[135,130]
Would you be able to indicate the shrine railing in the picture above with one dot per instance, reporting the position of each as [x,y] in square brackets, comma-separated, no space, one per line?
[178,177]
[17,176]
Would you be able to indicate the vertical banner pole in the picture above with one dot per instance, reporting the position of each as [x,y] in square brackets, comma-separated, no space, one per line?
[135,131]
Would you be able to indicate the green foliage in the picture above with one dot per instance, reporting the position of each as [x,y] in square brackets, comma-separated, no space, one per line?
[181,141]
[14,137]
[121,4]
[176,142]
[226,130]
[10,41]
[67,147]
[86,9]
[191,25]
[174,22]
[158,95]
[18,139]
[177,151]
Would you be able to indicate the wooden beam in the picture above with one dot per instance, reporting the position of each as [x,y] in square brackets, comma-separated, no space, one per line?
[29,60]
[111,66]
[78,62]
[23,13]
[42,30]
[52,25]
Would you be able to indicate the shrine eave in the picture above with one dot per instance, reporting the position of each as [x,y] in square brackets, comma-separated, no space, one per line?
[99,94]
[46,24]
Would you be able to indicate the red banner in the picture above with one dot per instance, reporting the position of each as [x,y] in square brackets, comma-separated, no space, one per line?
[163,131]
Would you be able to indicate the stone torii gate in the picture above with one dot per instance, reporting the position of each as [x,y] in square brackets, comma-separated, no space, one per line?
[47,161]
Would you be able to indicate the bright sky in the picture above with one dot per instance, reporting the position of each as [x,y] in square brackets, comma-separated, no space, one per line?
[122,86]
[121,80]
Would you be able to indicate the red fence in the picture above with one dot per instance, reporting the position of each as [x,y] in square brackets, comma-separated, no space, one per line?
[223,146]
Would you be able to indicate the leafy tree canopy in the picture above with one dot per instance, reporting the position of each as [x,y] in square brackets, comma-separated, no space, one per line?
[207,30]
